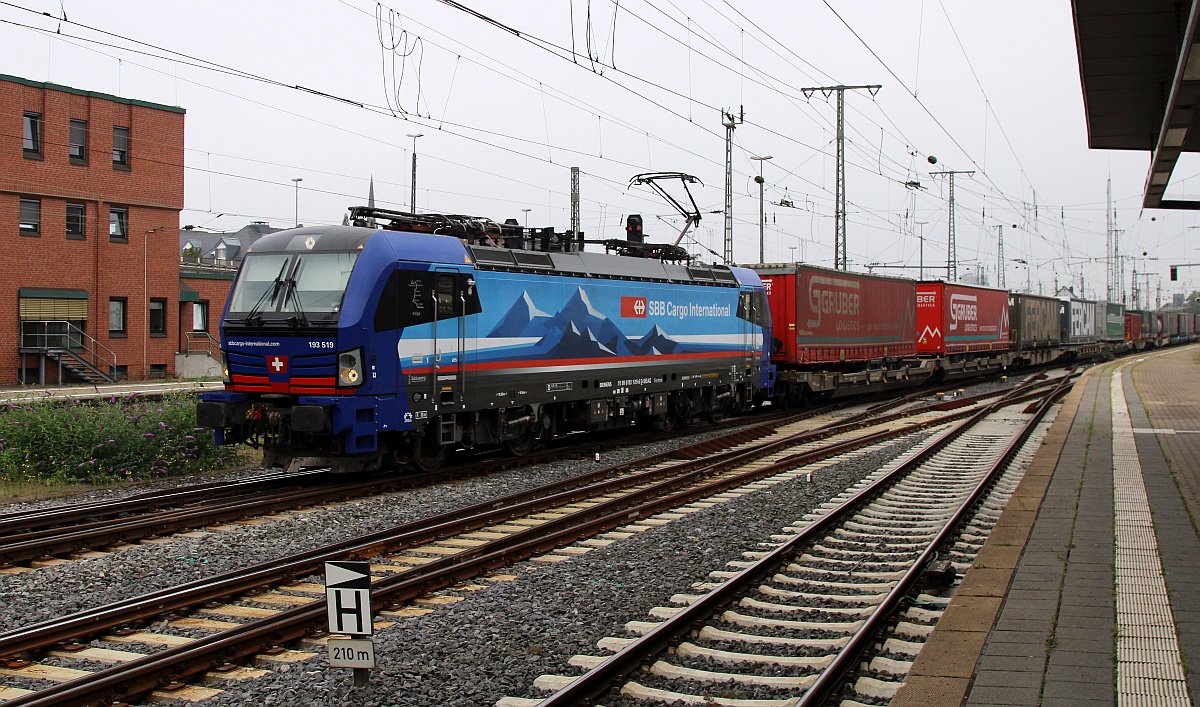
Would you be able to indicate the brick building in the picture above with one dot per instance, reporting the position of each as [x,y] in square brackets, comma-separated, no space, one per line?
[91,186]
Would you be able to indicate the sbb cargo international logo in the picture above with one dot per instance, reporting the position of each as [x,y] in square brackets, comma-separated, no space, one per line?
[633,307]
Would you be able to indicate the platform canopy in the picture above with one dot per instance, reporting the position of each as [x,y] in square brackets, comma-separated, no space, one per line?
[1140,69]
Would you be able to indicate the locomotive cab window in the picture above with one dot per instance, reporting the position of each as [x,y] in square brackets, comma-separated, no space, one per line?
[753,307]
[305,284]
[412,297]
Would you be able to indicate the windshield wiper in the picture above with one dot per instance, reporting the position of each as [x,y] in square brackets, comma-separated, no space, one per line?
[270,293]
[290,292]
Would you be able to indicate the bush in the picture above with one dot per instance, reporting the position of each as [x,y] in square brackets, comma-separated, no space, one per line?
[118,438]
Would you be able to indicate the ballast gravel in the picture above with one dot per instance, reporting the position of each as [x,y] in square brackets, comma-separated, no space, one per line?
[497,641]
[492,644]
[57,590]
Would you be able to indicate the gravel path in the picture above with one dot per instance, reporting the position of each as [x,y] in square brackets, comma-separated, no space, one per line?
[497,641]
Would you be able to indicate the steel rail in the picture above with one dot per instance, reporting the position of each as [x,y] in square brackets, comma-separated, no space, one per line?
[12,523]
[166,666]
[597,681]
[179,662]
[414,582]
[547,496]
[831,678]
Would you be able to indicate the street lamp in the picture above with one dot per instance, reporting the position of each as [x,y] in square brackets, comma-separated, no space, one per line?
[296,181]
[761,214]
[412,203]
[793,249]
[526,216]
[922,237]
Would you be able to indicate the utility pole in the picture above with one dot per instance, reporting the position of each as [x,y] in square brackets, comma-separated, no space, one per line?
[1000,256]
[951,248]
[840,260]
[730,121]
[412,202]
[575,201]
[1118,269]
[1109,245]
[1136,295]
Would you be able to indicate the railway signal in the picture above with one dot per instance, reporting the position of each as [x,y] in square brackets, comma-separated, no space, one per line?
[1175,269]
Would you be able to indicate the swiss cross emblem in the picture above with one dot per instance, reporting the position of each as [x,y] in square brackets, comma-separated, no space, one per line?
[277,364]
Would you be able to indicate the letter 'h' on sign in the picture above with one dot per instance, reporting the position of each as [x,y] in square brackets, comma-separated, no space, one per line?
[348,597]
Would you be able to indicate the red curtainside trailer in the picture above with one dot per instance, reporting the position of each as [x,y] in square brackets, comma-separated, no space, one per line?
[956,319]
[1133,326]
[823,316]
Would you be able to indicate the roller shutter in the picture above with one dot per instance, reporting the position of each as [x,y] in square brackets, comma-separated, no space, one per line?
[52,305]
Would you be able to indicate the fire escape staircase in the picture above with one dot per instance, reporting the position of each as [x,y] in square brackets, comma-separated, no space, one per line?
[77,355]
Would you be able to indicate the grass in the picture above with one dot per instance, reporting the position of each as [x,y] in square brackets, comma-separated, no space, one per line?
[48,448]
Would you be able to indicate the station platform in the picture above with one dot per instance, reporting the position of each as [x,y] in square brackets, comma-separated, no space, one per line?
[1087,592]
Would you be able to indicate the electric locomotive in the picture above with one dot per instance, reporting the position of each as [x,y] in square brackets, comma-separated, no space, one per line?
[362,347]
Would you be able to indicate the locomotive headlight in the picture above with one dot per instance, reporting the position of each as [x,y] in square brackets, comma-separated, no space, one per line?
[225,368]
[350,368]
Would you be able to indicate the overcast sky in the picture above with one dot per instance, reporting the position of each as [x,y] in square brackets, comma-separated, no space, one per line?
[506,111]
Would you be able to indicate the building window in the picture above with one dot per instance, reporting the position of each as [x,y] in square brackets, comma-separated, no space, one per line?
[31,143]
[116,316]
[78,145]
[200,316]
[120,148]
[118,225]
[118,373]
[31,217]
[158,370]
[76,221]
[158,317]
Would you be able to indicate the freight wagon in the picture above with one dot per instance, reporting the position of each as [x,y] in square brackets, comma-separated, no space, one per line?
[1114,321]
[955,319]
[836,332]
[963,328]
[1078,322]
[1133,329]
[1036,330]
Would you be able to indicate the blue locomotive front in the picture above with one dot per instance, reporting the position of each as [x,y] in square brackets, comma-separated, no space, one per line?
[359,348]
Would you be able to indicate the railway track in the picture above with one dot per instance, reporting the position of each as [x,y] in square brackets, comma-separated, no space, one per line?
[50,535]
[278,610]
[790,625]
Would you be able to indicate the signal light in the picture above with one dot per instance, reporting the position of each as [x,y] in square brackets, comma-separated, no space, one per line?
[1174,273]
[633,228]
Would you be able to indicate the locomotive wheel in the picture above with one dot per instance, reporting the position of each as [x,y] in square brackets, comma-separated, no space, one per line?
[667,422]
[717,412]
[520,446]
[427,456]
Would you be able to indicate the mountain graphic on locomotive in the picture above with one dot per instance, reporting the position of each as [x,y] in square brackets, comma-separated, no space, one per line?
[363,347]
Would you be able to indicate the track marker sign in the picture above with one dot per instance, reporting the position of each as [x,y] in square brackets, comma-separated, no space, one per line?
[348,597]
[351,653]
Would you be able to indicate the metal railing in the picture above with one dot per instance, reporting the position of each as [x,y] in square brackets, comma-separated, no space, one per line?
[203,343]
[60,335]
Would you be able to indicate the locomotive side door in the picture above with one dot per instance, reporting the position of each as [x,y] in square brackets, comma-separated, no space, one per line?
[746,305]
[448,342]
